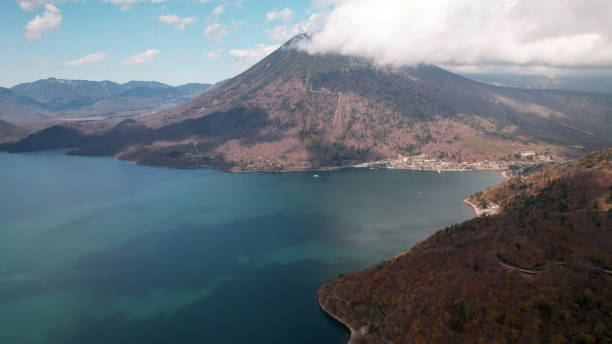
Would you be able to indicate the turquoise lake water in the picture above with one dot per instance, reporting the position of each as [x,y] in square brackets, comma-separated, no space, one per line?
[96,250]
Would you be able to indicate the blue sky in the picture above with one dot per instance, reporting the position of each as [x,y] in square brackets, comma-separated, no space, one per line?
[181,41]
[102,39]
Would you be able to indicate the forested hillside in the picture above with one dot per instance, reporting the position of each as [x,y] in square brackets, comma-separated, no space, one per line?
[539,272]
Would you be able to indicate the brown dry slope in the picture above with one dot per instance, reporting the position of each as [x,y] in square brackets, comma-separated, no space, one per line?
[292,108]
[539,272]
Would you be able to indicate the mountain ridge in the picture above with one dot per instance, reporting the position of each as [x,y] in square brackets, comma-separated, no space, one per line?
[326,110]
[52,98]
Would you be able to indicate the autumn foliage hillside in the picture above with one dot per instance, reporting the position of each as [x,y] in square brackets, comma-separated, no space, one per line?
[539,272]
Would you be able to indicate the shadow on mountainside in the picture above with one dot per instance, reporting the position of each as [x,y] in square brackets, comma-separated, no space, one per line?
[324,153]
[135,141]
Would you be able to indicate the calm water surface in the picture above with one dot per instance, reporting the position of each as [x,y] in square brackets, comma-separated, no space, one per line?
[95,250]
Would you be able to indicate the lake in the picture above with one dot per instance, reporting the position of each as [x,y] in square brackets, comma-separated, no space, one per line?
[96,250]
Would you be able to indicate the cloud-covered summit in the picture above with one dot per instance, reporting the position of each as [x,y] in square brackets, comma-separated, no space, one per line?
[548,33]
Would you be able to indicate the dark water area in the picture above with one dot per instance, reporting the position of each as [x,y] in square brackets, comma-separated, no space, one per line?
[95,250]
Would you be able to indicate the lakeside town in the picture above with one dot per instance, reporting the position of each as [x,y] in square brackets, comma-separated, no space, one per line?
[425,162]
[514,165]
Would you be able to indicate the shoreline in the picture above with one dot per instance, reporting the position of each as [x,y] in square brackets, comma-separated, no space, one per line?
[319,169]
[354,333]
[476,208]
[337,168]
[505,175]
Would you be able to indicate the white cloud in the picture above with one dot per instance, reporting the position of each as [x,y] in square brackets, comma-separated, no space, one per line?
[236,24]
[568,33]
[284,14]
[282,33]
[93,58]
[31,5]
[318,4]
[249,57]
[129,4]
[49,21]
[149,34]
[218,10]
[217,31]
[143,58]
[177,22]
[44,61]
[212,55]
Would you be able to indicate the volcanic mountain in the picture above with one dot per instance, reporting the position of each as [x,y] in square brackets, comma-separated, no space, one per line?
[294,110]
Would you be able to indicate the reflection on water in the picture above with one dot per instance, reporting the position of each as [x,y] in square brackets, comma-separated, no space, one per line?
[95,250]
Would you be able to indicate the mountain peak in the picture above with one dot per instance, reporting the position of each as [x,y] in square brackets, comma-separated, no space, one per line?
[331,109]
[300,110]
[297,40]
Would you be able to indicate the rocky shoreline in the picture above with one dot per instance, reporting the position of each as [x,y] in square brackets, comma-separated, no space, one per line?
[354,334]
[476,208]
[459,284]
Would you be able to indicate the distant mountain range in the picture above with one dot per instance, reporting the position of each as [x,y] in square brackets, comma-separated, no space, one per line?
[585,83]
[293,110]
[56,98]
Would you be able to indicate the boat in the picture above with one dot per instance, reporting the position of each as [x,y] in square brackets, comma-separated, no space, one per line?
[315,176]
[438,169]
